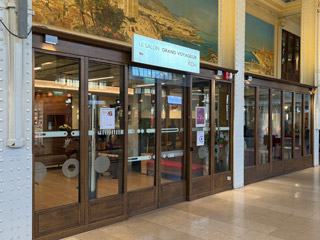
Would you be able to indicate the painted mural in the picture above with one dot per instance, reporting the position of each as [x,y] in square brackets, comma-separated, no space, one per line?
[259,51]
[190,23]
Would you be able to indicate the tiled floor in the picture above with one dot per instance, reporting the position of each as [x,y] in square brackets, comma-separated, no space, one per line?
[286,207]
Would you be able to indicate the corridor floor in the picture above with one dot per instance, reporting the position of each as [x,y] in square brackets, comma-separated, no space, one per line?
[285,207]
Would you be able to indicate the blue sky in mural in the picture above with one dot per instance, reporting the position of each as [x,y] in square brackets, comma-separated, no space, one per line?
[259,34]
[198,12]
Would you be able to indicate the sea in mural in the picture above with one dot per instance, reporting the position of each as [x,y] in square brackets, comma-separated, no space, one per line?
[259,51]
[190,23]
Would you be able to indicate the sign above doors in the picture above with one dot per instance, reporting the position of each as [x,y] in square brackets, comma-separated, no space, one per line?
[162,54]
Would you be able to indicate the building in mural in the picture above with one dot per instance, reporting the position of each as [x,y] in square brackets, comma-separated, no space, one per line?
[259,51]
[185,24]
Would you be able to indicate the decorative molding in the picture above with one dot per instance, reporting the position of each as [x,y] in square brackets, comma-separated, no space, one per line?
[282,22]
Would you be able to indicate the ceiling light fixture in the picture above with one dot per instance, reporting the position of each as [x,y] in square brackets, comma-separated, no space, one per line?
[99,79]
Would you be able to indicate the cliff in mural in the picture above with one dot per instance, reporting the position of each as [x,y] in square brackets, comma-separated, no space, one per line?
[119,19]
[259,54]
[263,63]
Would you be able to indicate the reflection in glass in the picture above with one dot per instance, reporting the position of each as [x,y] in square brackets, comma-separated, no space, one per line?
[105,129]
[263,126]
[172,127]
[276,125]
[56,126]
[288,125]
[200,104]
[142,128]
[249,125]
[307,124]
[222,122]
[298,125]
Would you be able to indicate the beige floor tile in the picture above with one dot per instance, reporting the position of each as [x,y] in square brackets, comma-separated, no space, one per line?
[258,236]
[184,236]
[312,234]
[95,235]
[230,229]
[285,207]
[288,234]
[253,226]
[216,235]
[154,229]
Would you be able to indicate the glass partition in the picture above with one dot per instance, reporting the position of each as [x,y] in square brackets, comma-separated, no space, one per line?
[276,125]
[142,128]
[263,126]
[307,124]
[105,129]
[249,125]
[298,125]
[288,112]
[201,104]
[222,123]
[172,126]
[56,131]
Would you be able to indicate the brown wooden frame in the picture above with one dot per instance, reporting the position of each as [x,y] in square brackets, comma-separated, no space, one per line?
[255,173]
[295,75]
[133,202]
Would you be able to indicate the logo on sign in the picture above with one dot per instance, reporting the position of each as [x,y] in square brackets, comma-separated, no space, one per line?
[163,54]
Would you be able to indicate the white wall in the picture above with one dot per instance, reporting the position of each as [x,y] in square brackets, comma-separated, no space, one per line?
[15,128]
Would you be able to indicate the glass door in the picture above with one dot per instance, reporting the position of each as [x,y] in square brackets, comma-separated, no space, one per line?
[201,127]
[142,132]
[200,140]
[223,126]
[142,129]
[57,158]
[105,140]
[173,121]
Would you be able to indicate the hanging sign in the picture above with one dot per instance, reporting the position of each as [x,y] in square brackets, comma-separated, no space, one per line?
[107,118]
[200,138]
[174,100]
[163,54]
[200,116]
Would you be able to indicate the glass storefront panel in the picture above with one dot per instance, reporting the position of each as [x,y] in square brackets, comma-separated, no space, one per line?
[276,125]
[263,126]
[298,125]
[307,124]
[105,129]
[172,126]
[249,125]
[142,128]
[56,131]
[288,112]
[201,105]
[222,123]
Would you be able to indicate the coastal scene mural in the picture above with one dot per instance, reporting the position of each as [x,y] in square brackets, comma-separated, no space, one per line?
[259,49]
[189,23]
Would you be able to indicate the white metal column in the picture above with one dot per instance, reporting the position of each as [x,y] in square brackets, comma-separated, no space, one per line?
[15,127]
[238,139]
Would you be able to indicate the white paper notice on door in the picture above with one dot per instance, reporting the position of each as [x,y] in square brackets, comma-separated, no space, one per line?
[200,138]
[107,118]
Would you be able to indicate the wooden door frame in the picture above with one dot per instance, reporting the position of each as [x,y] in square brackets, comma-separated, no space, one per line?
[81,203]
[206,182]
[109,52]
[292,164]
[120,197]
